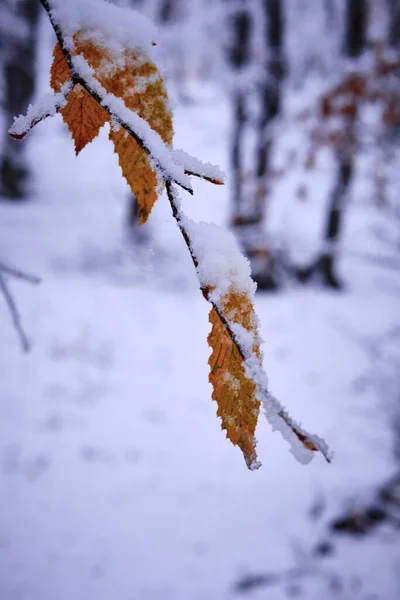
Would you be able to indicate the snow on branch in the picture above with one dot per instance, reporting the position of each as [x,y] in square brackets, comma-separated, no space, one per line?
[194,166]
[48,106]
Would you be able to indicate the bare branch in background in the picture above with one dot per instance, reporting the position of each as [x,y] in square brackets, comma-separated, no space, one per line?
[7,271]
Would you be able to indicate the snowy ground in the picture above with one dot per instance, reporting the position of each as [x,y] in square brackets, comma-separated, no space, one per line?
[116,482]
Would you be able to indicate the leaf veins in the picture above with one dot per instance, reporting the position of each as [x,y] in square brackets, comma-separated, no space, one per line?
[83,115]
[234,393]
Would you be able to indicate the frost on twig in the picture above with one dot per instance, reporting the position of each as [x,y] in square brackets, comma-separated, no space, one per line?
[7,271]
[48,106]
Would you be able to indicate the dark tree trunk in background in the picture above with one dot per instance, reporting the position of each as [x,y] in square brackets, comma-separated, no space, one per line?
[324,269]
[355,28]
[265,270]
[249,206]
[167,11]
[270,96]
[18,74]
[239,58]
[394,23]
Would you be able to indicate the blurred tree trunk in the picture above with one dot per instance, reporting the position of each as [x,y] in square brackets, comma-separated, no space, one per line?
[394,23]
[264,263]
[167,11]
[325,267]
[249,205]
[239,58]
[18,47]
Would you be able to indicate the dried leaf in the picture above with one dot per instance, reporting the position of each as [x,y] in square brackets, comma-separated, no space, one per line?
[83,115]
[144,92]
[59,70]
[234,393]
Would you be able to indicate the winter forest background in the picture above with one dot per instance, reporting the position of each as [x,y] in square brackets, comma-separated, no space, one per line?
[115,478]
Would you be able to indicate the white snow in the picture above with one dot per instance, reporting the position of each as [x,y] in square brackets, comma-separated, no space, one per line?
[113,26]
[197,167]
[47,106]
[221,264]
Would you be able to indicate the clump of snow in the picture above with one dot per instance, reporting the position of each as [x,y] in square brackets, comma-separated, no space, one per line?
[221,265]
[47,106]
[197,167]
[108,23]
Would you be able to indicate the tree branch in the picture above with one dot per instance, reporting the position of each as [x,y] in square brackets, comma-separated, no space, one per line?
[5,270]
[18,274]
[311,442]
[47,107]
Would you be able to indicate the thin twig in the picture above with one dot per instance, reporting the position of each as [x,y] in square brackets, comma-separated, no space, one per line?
[52,104]
[205,291]
[15,316]
[18,274]
[6,270]
[303,436]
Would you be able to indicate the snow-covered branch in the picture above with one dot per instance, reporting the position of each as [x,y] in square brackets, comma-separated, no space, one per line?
[48,106]
[218,268]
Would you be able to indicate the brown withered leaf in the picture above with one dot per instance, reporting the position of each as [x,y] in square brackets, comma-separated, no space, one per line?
[234,393]
[143,91]
[83,115]
[132,77]
[59,70]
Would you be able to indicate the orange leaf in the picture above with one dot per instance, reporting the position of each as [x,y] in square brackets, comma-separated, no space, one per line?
[131,76]
[141,87]
[137,171]
[83,115]
[234,393]
[59,70]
